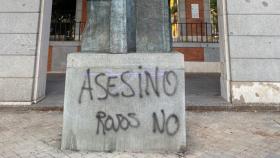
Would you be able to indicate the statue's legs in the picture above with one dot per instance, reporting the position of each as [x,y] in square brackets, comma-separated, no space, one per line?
[123,29]
[153,26]
[96,37]
[116,26]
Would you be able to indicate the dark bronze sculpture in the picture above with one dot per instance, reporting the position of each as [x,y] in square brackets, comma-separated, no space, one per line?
[123,26]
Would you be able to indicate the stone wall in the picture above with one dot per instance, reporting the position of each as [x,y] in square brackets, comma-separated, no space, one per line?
[23,36]
[252,43]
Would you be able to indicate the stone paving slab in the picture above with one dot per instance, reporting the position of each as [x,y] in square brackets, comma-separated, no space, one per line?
[34,134]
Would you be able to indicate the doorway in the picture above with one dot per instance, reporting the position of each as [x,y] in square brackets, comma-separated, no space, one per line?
[64,39]
[195,32]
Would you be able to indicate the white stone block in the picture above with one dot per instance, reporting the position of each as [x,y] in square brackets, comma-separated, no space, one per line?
[125,102]
[255,70]
[19,23]
[267,25]
[20,5]
[254,47]
[18,44]
[17,66]
[16,89]
[253,7]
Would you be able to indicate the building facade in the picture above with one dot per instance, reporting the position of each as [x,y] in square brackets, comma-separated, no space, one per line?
[248,58]
[195,30]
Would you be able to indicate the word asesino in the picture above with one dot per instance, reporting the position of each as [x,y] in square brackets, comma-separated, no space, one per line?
[147,83]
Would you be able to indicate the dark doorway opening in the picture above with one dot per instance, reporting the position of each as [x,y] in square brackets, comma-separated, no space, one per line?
[63,10]
[63,20]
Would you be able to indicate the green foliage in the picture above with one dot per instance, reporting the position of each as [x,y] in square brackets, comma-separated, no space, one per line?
[214,14]
[173,10]
[214,11]
[213,5]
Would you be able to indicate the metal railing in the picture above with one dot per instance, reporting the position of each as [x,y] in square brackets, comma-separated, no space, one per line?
[66,31]
[195,33]
[181,32]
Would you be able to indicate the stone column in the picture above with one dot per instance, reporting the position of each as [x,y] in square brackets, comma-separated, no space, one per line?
[224,49]
[43,38]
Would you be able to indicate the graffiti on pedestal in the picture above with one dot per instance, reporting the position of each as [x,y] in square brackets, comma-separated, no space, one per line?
[142,83]
[158,82]
[120,122]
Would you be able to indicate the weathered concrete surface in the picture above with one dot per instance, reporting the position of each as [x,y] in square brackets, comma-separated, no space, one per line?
[256,92]
[153,26]
[249,34]
[134,92]
[96,36]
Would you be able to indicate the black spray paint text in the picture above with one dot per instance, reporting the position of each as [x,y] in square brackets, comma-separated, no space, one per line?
[107,123]
[162,124]
[148,83]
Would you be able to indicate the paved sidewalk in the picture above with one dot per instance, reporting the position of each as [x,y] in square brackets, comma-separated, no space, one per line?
[33,134]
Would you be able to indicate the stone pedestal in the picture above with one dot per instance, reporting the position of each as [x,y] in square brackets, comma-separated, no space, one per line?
[125,102]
